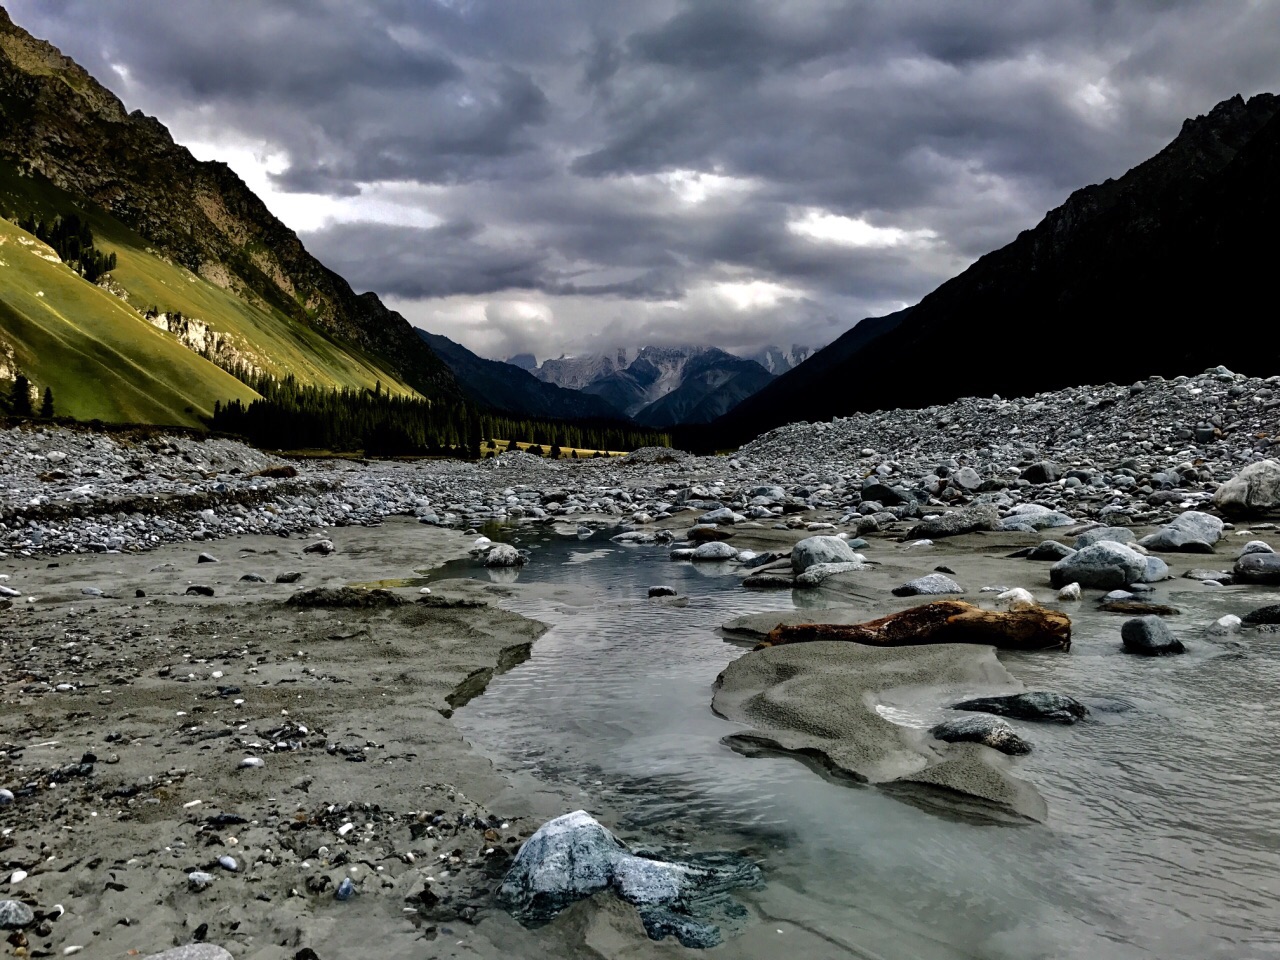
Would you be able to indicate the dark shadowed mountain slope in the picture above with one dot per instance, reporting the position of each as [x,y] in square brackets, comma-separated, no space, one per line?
[505,387]
[1166,270]
[713,382]
[60,123]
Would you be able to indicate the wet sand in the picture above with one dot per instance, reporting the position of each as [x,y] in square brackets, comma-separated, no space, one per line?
[125,721]
[129,777]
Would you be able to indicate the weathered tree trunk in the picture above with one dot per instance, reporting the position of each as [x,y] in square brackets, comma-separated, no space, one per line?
[945,621]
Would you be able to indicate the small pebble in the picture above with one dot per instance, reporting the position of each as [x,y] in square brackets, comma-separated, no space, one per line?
[199,880]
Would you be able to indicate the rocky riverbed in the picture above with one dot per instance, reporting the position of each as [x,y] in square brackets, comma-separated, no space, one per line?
[198,745]
[1134,454]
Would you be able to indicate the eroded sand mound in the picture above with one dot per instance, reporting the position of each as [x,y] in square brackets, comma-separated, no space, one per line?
[819,700]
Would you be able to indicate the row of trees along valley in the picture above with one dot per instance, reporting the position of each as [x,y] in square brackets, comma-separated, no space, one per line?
[72,240]
[296,416]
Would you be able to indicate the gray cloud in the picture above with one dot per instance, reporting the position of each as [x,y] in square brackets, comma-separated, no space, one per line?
[557,144]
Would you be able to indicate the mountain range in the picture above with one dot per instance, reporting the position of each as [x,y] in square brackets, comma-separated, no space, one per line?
[141,284]
[665,386]
[1165,270]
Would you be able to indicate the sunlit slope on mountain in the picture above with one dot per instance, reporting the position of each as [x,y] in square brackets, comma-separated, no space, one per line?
[101,358]
[256,333]
[199,216]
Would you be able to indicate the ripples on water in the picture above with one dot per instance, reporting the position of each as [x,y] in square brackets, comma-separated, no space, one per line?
[1164,832]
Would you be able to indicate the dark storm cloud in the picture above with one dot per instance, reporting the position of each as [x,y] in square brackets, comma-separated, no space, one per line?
[557,143]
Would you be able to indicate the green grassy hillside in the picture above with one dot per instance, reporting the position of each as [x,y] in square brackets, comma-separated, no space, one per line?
[101,357]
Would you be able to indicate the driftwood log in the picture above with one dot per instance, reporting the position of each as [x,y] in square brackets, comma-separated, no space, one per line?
[945,621]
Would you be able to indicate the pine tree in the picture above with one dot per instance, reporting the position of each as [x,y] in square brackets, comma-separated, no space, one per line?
[20,397]
[46,407]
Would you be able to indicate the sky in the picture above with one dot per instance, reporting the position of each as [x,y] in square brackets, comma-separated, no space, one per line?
[569,176]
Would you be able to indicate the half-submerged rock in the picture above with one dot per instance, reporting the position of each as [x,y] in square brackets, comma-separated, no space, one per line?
[1150,637]
[1106,565]
[573,857]
[943,621]
[988,731]
[503,555]
[1038,705]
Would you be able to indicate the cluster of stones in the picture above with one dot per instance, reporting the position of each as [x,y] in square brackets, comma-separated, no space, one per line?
[1121,455]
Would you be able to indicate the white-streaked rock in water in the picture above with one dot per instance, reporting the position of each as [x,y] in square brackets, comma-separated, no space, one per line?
[716,550]
[987,731]
[1225,626]
[573,857]
[503,555]
[1016,598]
[1256,546]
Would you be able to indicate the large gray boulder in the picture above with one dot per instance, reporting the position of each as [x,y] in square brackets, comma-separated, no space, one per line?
[573,857]
[1189,532]
[981,516]
[1258,568]
[1254,490]
[813,550]
[1102,566]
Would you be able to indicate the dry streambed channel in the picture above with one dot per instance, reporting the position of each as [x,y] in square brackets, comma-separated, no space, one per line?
[408,748]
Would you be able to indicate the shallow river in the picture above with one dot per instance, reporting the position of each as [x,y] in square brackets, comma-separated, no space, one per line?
[1164,832]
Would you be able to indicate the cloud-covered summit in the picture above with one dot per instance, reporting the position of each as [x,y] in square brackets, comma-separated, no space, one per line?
[567,175]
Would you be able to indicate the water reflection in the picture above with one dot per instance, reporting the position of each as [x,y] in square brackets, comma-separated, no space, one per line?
[1164,837]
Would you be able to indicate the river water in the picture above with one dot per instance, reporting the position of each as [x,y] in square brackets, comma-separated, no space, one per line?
[1163,839]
